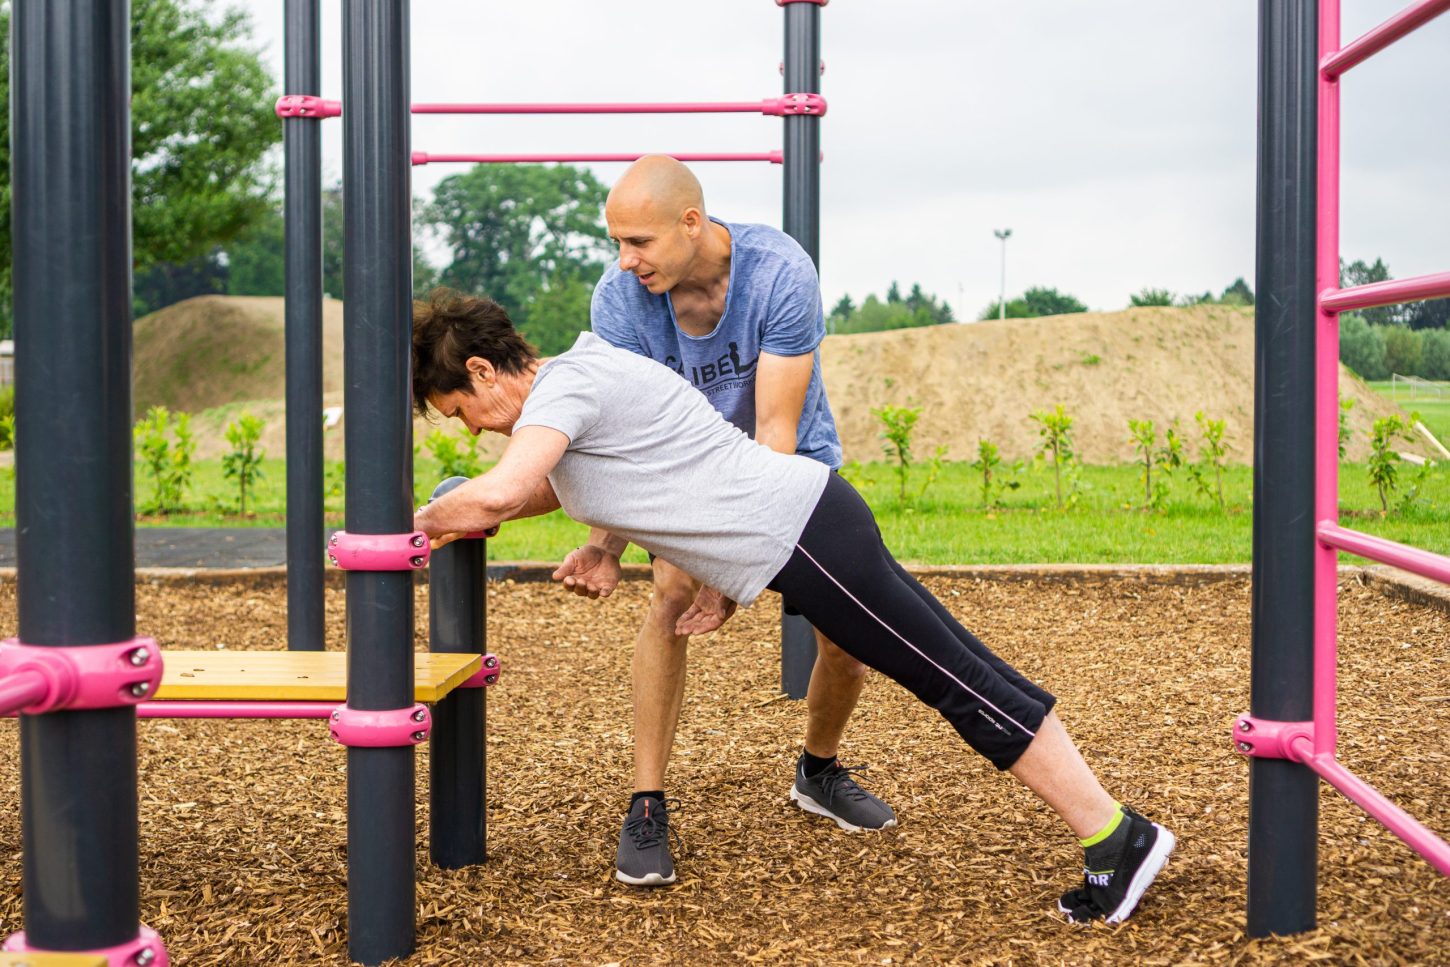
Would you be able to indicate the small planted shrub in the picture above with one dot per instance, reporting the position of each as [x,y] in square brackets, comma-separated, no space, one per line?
[994,471]
[1153,456]
[243,463]
[1345,405]
[165,445]
[456,453]
[1207,473]
[897,423]
[1055,431]
[1383,467]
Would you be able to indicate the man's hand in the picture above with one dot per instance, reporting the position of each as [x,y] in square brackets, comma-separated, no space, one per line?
[710,610]
[590,572]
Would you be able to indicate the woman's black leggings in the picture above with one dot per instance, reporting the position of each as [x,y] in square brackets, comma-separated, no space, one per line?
[846,583]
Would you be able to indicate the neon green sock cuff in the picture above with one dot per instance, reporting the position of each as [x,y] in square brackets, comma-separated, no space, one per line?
[1106,831]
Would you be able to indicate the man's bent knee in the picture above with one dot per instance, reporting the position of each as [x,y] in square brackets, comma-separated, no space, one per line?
[674,592]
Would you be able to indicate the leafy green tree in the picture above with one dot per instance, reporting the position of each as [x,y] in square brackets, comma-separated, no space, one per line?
[1383,467]
[1360,272]
[1362,347]
[1212,452]
[516,232]
[990,465]
[201,126]
[1404,350]
[1431,315]
[166,461]
[843,309]
[918,309]
[1435,363]
[1152,297]
[893,294]
[1037,301]
[202,120]
[1238,293]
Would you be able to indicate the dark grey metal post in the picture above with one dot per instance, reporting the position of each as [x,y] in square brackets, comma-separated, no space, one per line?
[457,608]
[376,360]
[303,247]
[802,222]
[1283,796]
[71,217]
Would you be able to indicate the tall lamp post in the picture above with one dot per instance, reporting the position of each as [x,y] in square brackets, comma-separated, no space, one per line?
[1003,234]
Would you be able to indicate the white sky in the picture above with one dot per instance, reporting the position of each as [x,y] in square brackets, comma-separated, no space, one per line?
[1115,137]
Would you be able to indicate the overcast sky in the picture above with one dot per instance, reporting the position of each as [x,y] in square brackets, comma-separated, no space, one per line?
[1114,137]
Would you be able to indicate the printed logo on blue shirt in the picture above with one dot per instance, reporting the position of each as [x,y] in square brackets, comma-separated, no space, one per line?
[705,374]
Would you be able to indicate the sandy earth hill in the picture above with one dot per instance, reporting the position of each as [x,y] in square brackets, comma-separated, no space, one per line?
[216,356]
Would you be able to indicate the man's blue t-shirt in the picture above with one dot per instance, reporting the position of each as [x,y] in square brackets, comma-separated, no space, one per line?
[772,304]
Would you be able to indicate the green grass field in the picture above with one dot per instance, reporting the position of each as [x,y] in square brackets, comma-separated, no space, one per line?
[945,525]
[1434,413]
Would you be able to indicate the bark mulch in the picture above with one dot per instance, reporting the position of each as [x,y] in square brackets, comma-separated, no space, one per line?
[243,822]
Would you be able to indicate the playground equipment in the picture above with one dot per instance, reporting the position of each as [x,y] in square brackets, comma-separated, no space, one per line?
[801,107]
[1290,734]
[78,675]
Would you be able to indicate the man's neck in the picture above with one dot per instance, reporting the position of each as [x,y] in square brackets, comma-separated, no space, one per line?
[712,263]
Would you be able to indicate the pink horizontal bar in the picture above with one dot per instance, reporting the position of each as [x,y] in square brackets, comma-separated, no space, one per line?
[235,710]
[773,106]
[1412,559]
[22,690]
[1416,835]
[1436,286]
[423,157]
[1407,21]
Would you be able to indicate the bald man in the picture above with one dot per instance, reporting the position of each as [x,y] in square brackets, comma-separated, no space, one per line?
[736,310]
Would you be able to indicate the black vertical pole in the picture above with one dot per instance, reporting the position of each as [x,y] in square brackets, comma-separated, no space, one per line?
[71,217]
[457,609]
[1283,796]
[303,246]
[376,358]
[802,222]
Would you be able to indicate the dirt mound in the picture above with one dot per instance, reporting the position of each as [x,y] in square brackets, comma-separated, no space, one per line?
[984,380]
[222,355]
[213,350]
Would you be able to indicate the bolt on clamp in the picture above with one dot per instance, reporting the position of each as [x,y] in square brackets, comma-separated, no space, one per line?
[383,728]
[86,676]
[378,552]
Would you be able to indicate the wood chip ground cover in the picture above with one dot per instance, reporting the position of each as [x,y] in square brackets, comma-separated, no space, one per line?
[243,838]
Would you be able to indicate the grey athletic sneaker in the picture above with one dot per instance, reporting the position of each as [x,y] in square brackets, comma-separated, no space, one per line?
[644,844]
[833,793]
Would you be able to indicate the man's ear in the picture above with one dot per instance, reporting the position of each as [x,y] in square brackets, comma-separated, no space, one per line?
[694,221]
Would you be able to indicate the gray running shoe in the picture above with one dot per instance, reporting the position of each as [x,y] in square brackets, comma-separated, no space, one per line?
[833,793]
[644,844]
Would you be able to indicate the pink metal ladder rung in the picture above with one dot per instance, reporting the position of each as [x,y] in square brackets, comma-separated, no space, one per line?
[1412,18]
[1318,752]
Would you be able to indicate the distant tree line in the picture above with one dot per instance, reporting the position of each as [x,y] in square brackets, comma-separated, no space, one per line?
[895,312]
[1411,339]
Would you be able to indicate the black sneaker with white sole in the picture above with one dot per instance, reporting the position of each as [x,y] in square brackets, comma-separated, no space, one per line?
[644,857]
[834,793]
[1112,891]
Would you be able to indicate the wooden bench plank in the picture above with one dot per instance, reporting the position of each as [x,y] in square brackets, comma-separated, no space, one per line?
[52,960]
[294,676]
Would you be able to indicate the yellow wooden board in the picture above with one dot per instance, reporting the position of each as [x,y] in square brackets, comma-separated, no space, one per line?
[52,960]
[293,676]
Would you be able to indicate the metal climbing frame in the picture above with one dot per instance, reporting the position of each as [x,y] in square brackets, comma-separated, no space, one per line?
[1294,689]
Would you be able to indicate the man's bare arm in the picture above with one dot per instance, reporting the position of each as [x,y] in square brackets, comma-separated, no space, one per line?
[781,383]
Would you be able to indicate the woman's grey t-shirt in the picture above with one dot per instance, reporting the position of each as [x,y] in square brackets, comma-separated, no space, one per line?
[650,460]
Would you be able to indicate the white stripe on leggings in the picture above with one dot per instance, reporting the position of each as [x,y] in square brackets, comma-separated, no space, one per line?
[978,695]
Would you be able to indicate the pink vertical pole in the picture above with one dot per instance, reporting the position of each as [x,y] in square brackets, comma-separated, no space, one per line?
[1326,486]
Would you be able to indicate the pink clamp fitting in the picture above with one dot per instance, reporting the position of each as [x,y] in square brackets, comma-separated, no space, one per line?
[1264,739]
[355,727]
[795,104]
[86,676]
[307,106]
[146,950]
[486,675]
[378,552]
